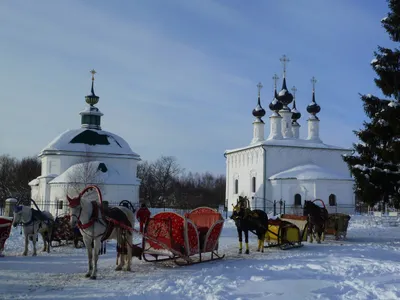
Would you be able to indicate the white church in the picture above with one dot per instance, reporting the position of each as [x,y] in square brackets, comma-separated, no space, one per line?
[284,167]
[84,156]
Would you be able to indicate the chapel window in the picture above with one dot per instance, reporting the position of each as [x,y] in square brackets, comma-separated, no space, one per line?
[236,186]
[332,200]
[253,184]
[60,204]
[297,200]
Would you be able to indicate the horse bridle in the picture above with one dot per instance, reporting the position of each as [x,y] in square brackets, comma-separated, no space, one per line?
[74,203]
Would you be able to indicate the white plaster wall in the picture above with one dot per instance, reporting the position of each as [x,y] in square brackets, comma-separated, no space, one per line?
[319,189]
[243,166]
[111,193]
[46,195]
[282,158]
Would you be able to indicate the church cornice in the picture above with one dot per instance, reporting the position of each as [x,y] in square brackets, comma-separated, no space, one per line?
[262,145]
[80,154]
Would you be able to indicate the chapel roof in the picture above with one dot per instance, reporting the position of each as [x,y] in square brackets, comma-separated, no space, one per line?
[309,172]
[88,140]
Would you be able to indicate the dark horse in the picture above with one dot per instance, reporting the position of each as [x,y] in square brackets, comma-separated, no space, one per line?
[317,219]
[247,220]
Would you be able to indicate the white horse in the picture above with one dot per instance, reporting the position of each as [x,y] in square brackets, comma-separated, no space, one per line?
[92,223]
[34,222]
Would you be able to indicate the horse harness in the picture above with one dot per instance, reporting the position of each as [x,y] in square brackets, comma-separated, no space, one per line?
[112,213]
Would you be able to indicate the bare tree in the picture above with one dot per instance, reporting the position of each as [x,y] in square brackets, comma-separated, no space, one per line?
[165,170]
[7,176]
[85,172]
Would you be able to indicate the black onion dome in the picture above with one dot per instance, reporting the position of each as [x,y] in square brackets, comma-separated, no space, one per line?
[295,113]
[284,95]
[313,108]
[259,112]
[275,105]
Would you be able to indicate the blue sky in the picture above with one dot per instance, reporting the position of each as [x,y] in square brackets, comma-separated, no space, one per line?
[179,77]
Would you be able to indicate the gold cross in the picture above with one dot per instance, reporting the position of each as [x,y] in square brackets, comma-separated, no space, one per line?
[275,78]
[93,72]
[259,86]
[284,61]
[313,81]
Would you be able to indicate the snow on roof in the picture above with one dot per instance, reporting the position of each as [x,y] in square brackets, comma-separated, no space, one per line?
[34,182]
[309,172]
[96,171]
[293,142]
[99,141]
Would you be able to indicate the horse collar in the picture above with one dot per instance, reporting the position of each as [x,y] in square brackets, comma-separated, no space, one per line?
[94,217]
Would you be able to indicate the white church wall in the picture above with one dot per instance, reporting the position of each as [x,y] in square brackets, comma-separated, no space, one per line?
[310,190]
[114,194]
[283,158]
[243,166]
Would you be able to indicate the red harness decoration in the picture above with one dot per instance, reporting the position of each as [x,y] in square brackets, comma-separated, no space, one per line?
[94,217]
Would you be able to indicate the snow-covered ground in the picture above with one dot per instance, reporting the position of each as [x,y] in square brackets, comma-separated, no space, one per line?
[365,266]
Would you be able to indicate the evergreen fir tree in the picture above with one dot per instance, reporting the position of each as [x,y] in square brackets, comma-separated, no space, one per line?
[375,163]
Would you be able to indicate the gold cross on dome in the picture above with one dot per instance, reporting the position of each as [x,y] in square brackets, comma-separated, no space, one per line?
[284,59]
[275,78]
[93,72]
[313,81]
[294,90]
[259,86]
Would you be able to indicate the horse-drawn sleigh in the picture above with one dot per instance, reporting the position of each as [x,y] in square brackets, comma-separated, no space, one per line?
[182,239]
[286,231]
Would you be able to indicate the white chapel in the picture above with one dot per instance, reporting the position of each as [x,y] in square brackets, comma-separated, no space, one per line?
[84,156]
[284,167]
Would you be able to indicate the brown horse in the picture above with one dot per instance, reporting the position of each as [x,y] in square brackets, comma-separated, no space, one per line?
[317,220]
[247,220]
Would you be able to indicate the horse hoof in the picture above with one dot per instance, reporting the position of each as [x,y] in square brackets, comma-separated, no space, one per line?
[247,252]
[34,254]
[24,253]
[93,277]
[240,251]
[118,268]
[87,275]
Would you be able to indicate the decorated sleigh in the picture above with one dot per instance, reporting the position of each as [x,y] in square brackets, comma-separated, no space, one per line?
[189,239]
[5,229]
[287,231]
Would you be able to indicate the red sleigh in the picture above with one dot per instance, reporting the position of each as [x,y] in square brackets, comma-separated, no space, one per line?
[5,229]
[192,238]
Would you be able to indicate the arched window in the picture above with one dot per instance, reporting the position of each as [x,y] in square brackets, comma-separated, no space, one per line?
[236,186]
[332,200]
[297,200]
[253,184]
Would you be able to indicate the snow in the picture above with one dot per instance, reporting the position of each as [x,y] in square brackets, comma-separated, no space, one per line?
[283,92]
[275,101]
[291,142]
[258,108]
[374,61]
[62,143]
[309,172]
[111,176]
[365,266]
[394,104]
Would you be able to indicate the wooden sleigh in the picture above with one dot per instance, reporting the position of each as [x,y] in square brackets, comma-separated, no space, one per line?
[287,232]
[189,239]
